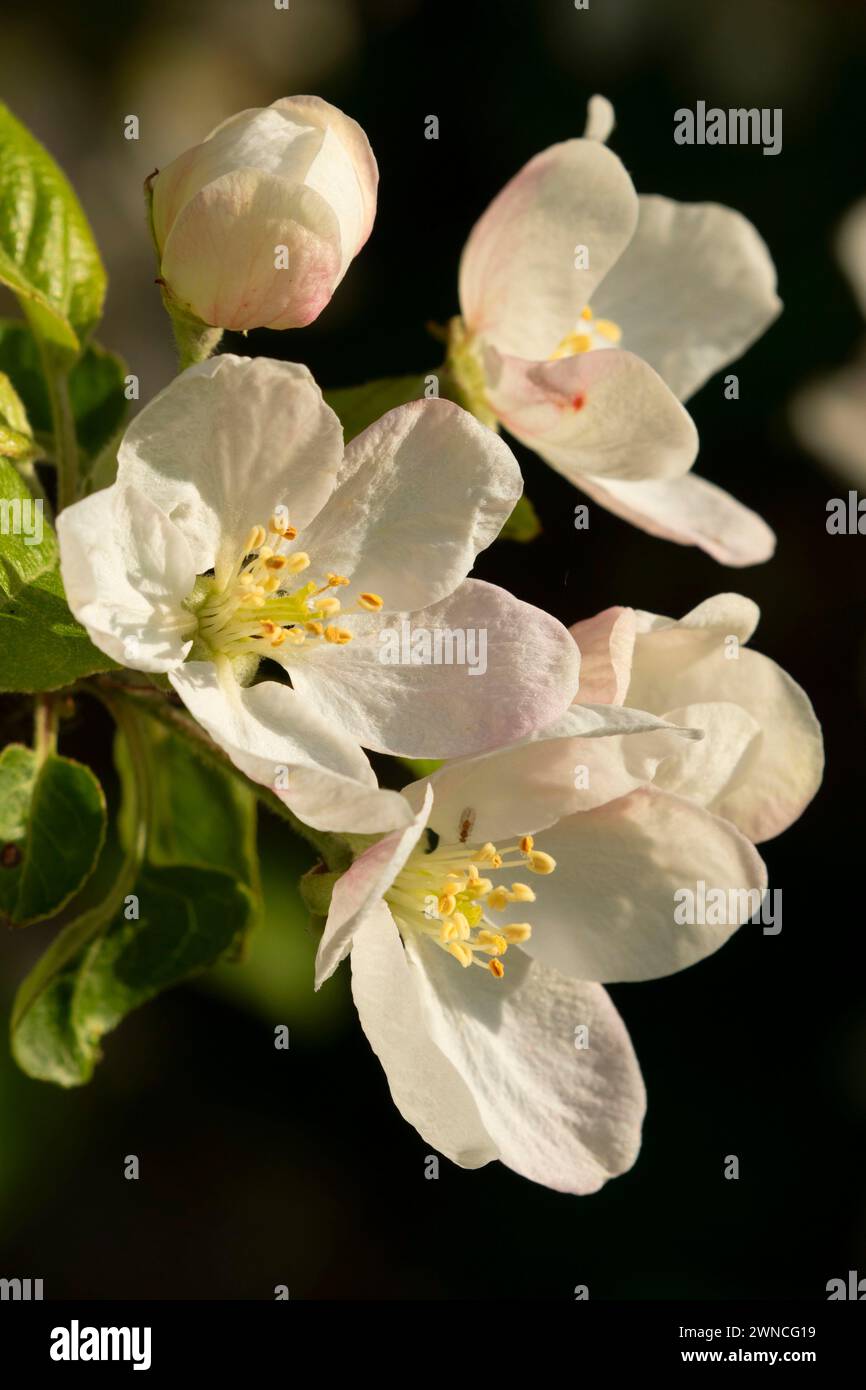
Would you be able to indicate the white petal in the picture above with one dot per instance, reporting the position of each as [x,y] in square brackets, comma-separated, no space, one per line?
[690,511]
[829,419]
[222,259]
[227,442]
[524,788]
[606,643]
[692,292]
[526,663]
[262,139]
[604,413]
[566,1117]
[426,1088]
[779,773]
[600,119]
[280,742]
[356,211]
[126,570]
[420,493]
[358,893]
[519,287]
[707,770]
[607,912]
[851,249]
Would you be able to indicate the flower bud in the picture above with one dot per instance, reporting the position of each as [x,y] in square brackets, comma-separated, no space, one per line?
[256,226]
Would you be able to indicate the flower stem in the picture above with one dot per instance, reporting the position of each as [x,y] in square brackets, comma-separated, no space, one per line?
[44,727]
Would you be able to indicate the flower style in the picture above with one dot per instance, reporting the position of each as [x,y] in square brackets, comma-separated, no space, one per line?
[257,225]
[829,415]
[589,314]
[762,759]
[236,521]
[473,1010]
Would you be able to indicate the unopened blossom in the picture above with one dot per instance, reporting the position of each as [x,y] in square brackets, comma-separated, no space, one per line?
[239,530]
[589,313]
[256,226]
[762,757]
[829,414]
[481,936]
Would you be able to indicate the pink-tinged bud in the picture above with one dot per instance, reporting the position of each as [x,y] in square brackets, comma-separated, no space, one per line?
[257,225]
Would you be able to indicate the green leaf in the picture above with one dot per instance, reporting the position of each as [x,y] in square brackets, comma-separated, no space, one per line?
[188,920]
[52,827]
[192,905]
[16,436]
[523,524]
[42,647]
[48,256]
[200,814]
[360,406]
[96,390]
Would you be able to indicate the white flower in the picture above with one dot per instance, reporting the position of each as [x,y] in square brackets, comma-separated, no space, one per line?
[235,523]
[589,313]
[478,953]
[829,415]
[256,226]
[762,759]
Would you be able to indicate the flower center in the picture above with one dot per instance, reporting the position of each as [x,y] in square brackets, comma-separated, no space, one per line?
[262,605]
[590,334]
[444,895]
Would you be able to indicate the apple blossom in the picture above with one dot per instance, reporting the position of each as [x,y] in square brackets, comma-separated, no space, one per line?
[762,759]
[256,226]
[474,1010]
[235,521]
[829,415]
[589,314]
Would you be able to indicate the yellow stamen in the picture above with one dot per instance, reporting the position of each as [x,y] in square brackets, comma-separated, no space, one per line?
[338,635]
[496,968]
[328,607]
[334,580]
[517,932]
[522,893]
[276,562]
[499,899]
[447,904]
[586,314]
[315,628]
[296,563]
[608,329]
[462,953]
[540,863]
[255,539]
[526,843]
[372,602]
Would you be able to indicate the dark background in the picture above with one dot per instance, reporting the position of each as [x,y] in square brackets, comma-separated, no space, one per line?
[261,1167]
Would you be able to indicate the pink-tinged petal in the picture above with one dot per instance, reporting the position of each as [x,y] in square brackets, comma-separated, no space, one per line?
[694,289]
[563,1116]
[358,893]
[221,257]
[603,412]
[606,644]
[690,511]
[426,1087]
[526,674]
[519,286]
[607,913]
[282,743]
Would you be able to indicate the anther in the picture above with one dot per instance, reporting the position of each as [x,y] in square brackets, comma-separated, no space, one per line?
[372,602]
[540,863]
